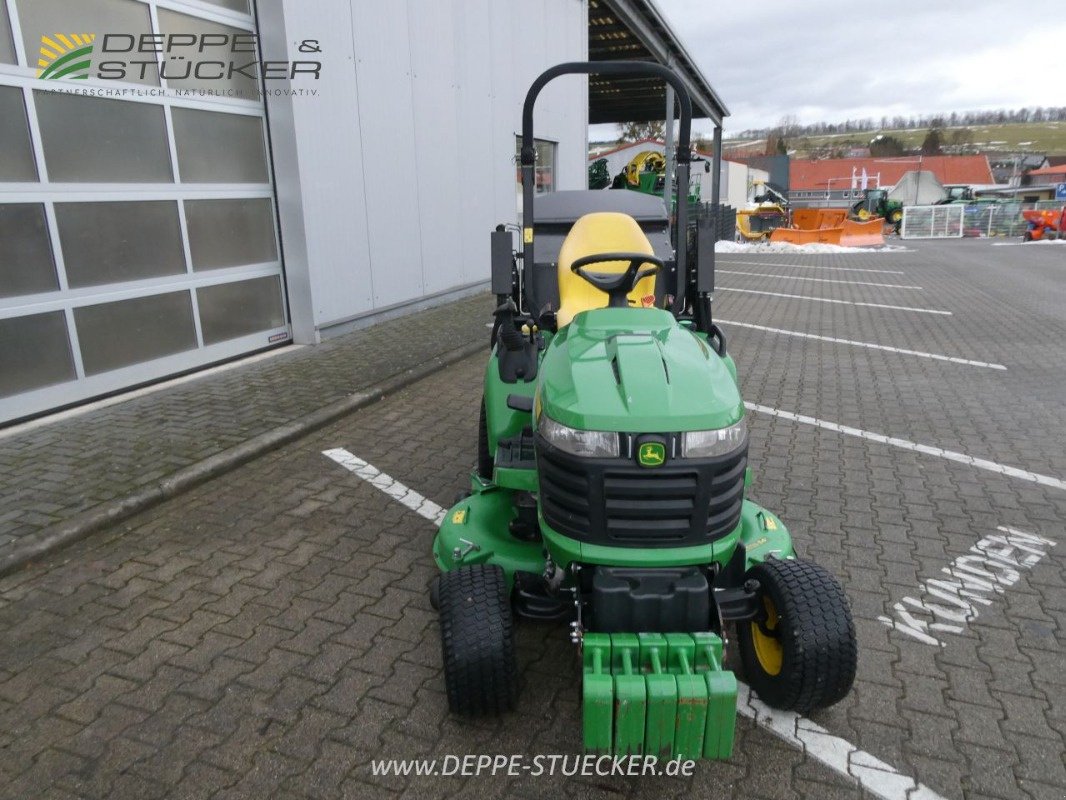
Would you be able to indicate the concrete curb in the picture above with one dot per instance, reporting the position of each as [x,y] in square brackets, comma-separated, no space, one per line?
[35,545]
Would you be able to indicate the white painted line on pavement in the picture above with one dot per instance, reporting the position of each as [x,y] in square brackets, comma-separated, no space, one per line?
[840,755]
[838,302]
[806,266]
[819,280]
[393,488]
[872,774]
[906,444]
[871,345]
[1027,244]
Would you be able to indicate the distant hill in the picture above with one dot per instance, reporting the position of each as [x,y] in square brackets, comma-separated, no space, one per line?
[1012,137]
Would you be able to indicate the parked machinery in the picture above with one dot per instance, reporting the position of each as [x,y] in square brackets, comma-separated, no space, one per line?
[612,488]
[767,213]
[1044,223]
[876,203]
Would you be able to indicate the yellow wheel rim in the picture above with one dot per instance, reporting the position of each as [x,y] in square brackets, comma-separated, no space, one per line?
[864,213]
[768,649]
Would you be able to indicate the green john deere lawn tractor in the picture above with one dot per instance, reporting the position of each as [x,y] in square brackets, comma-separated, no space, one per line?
[611,480]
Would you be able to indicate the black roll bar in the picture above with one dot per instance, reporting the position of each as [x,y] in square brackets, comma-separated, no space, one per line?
[684,154]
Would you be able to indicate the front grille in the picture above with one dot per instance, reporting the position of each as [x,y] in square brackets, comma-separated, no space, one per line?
[614,501]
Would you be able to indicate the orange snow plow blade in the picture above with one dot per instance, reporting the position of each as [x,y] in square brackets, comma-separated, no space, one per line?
[863,234]
[830,226]
[809,219]
[800,236]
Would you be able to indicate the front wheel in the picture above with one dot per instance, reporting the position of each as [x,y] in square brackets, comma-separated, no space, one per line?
[477,640]
[801,652]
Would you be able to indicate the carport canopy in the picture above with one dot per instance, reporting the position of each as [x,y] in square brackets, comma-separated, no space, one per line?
[637,30]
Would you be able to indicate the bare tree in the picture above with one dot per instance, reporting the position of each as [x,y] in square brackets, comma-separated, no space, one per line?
[635,131]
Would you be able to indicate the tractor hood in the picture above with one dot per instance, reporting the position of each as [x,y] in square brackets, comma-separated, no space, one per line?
[636,370]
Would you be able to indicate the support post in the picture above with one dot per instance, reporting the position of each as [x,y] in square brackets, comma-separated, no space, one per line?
[671,156]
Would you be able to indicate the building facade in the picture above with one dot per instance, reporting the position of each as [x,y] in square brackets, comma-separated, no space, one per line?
[184,182]
[156,217]
[835,182]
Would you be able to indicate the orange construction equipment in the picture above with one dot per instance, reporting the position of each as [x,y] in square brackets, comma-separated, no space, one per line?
[1044,223]
[830,226]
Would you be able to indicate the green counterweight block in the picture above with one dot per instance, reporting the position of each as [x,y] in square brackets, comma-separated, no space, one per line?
[691,696]
[597,694]
[721,696]
[662,696]
[630,695]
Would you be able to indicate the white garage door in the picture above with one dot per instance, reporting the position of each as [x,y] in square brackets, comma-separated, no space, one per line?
[137,222]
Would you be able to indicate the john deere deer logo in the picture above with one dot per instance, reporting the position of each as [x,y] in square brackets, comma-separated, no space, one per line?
[65,55]
[651,454]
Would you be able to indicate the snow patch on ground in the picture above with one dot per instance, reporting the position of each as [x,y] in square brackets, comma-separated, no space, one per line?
[814,247]
[1012,244]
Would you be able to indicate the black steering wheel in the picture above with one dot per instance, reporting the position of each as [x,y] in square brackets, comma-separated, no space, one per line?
[617,284]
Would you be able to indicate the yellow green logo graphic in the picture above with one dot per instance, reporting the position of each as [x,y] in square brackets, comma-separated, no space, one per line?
[651,454]
[65,55]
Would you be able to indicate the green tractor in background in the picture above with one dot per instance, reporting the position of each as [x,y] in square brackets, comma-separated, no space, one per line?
[599,175]
[611,485]
[875,203]
[646,172]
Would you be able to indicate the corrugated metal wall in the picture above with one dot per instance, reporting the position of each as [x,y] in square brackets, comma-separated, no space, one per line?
[391,177]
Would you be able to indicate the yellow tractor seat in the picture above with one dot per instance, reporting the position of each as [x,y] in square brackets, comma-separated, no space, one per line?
[600,232]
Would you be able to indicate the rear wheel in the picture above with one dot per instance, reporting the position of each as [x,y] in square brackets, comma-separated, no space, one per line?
[895,216]
[801,653]
[477,640]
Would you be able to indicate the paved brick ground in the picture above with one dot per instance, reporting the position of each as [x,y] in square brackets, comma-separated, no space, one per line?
[269,634]
[49,474]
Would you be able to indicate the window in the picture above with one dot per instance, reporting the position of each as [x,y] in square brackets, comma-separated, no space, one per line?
[16,154]
[89,139]
[137,236]
[545,168]
[119,241]
[47,17]
[36,352]
[229,233]
[126,332]
[220,148]
[7,49]
[229,310]
[232,5]
[25,252]
[173,23]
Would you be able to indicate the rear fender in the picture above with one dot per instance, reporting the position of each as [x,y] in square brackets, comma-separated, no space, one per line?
[503,421]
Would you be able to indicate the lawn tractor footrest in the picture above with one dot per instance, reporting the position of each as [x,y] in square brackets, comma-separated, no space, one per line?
[659,694]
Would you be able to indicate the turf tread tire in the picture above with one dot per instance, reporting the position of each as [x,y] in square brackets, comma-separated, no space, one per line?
[817,633]
[477,640]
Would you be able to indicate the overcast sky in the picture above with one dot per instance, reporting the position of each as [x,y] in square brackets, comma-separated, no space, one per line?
[834,59]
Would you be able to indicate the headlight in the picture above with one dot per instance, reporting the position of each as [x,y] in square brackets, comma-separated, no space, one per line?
[591,444]
[707,444]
